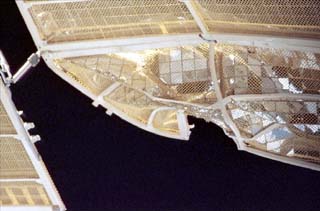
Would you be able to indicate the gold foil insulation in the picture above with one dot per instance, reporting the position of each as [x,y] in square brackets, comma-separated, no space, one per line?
[23,194]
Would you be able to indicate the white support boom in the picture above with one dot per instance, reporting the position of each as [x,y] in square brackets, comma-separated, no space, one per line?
[32,61]
[238,138]
[23,135]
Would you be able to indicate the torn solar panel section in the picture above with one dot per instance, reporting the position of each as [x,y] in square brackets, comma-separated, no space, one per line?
[138,60]
[251,70]
[171,73]
[152,88]
[302,117]
[148,81]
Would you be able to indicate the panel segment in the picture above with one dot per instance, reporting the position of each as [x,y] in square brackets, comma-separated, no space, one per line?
[94,20]
[6,126]
[15,162]
[23,193]
[24,180]
[263,17]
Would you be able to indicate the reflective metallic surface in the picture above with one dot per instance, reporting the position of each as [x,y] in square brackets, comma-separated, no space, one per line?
[253,70]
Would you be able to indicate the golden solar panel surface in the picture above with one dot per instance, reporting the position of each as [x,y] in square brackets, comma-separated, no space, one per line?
[18,176]
[242,70]
[250,66]
[84,20]
[158,88]
[100,19]
[253,69]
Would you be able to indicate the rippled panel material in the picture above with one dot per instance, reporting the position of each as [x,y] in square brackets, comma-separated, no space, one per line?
[166,120]
[249,70]
[156,89]
[133,103]
[177,73]
[153,85]
[24,180]
[295,126]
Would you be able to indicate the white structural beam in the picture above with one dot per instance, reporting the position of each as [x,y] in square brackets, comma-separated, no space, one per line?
[44,177]
[193,7]
[9,136]
[271,96]
[99,99]
[266,130]
[53,51]
[82,48]
[264,41]
[177,39]
[24,10]
[283,159]
[183,124]
[94,47]
[66,49]
[22,180]
[5,72]
[108,106]
[27,208]
[5,96]
[32,61]
[238,138]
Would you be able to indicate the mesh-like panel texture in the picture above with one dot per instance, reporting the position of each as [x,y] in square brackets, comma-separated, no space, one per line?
[298,18]
[23,193]
[14,160]
[105,19]
[6,126]
[297,135]
[177,73]
[248,70]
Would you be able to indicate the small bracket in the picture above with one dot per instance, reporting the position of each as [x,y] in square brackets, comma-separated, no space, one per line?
[35,138]
[5,72]
[28,125]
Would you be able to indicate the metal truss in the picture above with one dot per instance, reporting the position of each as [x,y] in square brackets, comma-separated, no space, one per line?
[52,51]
